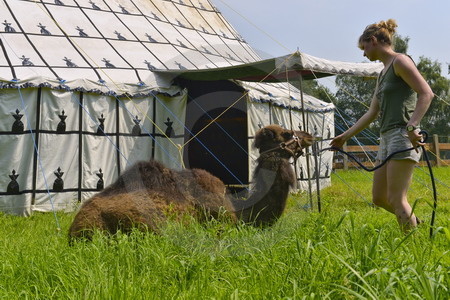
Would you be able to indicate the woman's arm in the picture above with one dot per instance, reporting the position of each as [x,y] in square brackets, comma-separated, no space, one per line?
[362,123]
[407,70]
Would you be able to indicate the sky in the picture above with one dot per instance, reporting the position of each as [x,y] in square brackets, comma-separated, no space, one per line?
[330,28]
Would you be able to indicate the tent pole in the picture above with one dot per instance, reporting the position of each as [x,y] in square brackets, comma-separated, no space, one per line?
[315,151]
[297,184]
[308,155]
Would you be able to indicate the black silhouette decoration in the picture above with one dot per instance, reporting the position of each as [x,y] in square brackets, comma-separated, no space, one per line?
[43,30]
[206,50]
[62,124]
[300,127]
[180,24]
[224,34]
[93,5]
[169,129]
[204,30]
[26,61]
[58,184]
[101,126]
[181,2]
[17,126]
[152,40]
[328,132]
[202,6]
[180,66]
[302,175]
[100,182]
[119,36]
[260,125]
[69,62]
[327,170]
[137,127]
[231,56]
[314,173]
[8,27]
[13,186]
[155,16]
[107,63]
[124,10]
[81,32]
[149,65]
[58,2]
[181,43]
[316,131]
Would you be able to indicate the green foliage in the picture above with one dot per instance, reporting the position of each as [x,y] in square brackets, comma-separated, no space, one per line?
[400,44]
[436,120]
[315,89]
[348,251]
[354,95]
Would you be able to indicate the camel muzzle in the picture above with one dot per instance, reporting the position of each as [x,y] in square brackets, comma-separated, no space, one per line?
[293,146]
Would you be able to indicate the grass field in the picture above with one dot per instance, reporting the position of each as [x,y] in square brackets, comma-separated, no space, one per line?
[348,251]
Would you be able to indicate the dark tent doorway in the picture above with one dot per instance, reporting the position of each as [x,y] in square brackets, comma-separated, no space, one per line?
[220,148]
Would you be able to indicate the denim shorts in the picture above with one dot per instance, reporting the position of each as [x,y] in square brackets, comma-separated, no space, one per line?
[394,140]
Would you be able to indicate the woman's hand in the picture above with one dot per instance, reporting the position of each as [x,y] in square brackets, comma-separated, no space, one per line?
[416,139]
[338,141]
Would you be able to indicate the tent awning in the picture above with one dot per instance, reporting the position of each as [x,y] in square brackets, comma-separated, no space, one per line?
[283,68]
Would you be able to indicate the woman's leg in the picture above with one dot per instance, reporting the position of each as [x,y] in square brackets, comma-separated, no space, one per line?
[380,189]
[398,179]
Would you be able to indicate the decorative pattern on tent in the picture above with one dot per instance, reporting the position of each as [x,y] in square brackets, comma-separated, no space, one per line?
[84,142]
[58,43]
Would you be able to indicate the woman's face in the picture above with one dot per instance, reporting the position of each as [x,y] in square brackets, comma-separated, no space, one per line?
[368,48]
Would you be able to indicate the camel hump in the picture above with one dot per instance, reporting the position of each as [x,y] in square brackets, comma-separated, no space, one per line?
[208,182]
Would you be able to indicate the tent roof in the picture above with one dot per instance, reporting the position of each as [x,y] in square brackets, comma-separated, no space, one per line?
[283,68]
[284,95]
[112,45]
[133,47]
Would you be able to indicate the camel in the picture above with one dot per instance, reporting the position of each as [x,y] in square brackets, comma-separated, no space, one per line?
[148,193]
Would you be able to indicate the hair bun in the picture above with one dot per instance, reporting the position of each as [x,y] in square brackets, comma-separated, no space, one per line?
[389,25]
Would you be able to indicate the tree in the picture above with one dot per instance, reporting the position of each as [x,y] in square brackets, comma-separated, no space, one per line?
[436,120]
[353,99]
[315,89]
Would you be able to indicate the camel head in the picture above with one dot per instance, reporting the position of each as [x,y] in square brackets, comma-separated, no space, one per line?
[276,138]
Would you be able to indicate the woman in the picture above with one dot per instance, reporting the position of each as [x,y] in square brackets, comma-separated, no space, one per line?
[402,97]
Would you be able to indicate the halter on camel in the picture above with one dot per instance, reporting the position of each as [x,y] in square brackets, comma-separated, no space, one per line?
[285,146]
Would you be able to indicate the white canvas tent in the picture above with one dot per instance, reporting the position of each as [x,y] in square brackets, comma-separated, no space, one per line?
[89,87]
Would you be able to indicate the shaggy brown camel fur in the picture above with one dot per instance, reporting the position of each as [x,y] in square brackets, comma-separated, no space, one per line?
[149,193]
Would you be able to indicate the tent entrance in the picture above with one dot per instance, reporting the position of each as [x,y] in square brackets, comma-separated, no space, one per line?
[221,147]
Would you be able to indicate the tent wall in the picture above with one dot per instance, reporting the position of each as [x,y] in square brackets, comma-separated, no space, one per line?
[84,141]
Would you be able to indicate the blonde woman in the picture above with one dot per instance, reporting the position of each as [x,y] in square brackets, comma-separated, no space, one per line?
[401,99]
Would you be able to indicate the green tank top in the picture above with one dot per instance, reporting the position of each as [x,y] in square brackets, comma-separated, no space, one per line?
[397,100]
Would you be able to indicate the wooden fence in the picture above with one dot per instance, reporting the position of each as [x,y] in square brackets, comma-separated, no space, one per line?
[437,154]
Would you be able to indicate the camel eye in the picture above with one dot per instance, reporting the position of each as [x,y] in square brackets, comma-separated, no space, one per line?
[287,135]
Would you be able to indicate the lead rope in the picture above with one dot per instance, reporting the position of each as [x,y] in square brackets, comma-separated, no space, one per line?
[425,134]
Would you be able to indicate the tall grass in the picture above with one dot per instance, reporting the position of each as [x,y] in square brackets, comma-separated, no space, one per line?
[348,251]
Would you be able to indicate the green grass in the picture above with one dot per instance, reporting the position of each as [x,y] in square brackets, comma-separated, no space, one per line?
[349,251]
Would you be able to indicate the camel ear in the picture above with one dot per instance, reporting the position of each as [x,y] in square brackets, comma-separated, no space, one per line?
[263,135]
